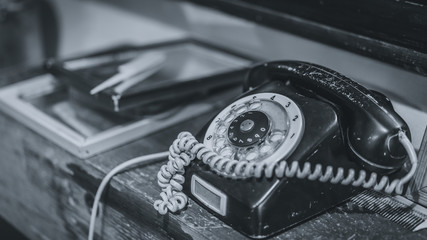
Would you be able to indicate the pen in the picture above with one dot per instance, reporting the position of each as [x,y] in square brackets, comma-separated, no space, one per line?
[140,64]
[138,78]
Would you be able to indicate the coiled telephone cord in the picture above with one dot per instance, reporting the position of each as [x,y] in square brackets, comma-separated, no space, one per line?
[186,148]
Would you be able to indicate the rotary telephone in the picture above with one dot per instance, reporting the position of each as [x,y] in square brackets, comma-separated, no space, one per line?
[300,140]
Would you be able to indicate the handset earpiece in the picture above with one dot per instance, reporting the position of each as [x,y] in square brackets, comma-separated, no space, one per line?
[372,124]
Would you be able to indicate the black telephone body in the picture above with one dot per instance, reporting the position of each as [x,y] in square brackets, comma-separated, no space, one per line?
[294,111]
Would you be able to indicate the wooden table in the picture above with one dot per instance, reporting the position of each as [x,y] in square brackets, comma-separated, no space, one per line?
[47,194]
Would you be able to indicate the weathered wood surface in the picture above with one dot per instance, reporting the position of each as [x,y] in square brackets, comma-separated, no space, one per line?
[418,185]
[46,193]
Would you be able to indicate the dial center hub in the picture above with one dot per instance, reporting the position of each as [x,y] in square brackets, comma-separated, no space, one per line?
[248,128]
[247,125]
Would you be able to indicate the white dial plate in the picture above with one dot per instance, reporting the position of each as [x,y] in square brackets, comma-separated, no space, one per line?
[292,116]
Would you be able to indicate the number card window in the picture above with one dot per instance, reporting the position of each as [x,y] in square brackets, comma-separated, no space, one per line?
[209,195]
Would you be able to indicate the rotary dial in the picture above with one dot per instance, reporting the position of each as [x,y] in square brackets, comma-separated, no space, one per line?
[260,127]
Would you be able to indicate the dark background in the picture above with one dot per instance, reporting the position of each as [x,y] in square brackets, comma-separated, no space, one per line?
[392,31]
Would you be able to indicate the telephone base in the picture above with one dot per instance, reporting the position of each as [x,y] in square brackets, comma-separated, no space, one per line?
[262,207]
[292,203]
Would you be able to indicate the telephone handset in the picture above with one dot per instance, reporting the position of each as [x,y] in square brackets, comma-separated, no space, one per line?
[284,150]
[372,123]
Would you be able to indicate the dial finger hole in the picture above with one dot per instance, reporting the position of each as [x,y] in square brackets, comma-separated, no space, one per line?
[221,129]
[252,155]
[255,104]
[229,118]
[227,152]
[240,109]
[276,136]
[265,149]
[241,154]
[220,142]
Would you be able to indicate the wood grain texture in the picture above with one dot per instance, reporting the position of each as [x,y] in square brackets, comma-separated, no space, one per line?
[418,186]
[47,194]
